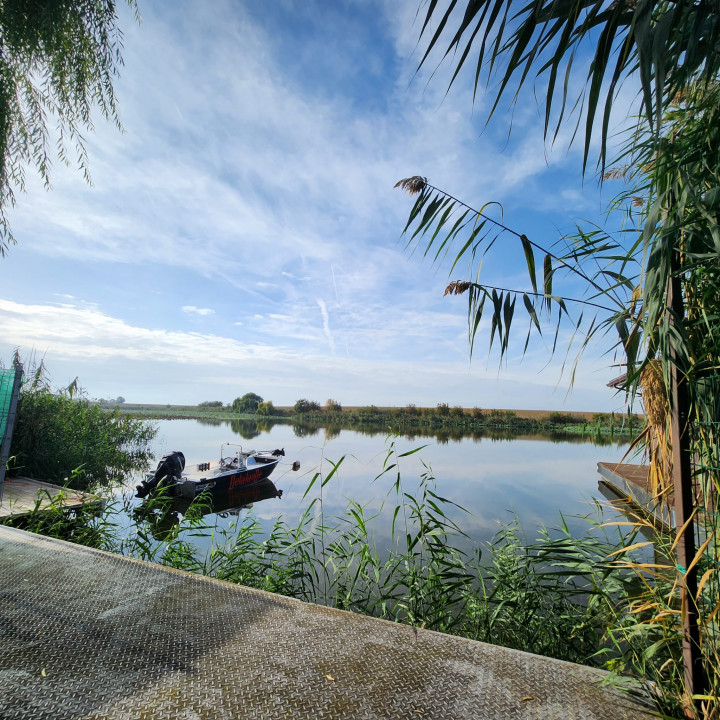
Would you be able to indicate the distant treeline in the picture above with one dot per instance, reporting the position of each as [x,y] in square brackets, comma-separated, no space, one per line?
[423,420]
[444,416]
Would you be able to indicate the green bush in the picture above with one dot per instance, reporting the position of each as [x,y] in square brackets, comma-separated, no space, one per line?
[304,406]
[58,438]
[266,408]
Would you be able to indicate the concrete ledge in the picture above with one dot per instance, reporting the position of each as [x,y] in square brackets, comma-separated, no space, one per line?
[87,634]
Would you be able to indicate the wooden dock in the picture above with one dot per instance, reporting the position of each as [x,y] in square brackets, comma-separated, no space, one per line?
[22,495]
[631,484]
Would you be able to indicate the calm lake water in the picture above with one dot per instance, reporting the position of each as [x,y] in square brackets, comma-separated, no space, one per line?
[532,478]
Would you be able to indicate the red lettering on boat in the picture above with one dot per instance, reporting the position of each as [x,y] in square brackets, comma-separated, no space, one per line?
[244,478]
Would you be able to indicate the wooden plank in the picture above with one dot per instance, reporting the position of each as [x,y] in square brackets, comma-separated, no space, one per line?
[21,495]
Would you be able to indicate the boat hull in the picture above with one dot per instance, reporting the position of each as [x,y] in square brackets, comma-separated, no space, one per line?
[229,474]
[228,481]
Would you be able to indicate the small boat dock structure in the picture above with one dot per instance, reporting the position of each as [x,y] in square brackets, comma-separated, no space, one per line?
[630,483]
[23,495]
[92,635]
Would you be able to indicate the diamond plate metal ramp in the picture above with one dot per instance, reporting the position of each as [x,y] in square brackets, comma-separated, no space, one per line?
[87,634]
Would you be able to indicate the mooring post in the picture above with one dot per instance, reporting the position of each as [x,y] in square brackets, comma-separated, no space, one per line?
[684,496]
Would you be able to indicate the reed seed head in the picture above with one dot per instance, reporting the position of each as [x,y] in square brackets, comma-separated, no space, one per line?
[413,185]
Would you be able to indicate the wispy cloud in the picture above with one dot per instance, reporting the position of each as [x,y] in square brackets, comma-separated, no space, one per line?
[326,324]
[201,312]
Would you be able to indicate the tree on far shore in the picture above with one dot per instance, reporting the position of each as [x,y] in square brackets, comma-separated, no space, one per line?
[248,403]
[305,406]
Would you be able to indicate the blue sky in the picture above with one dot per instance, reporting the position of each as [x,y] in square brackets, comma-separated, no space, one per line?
[243,233]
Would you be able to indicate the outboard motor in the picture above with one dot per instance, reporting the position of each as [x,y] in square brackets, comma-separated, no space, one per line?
[170,466]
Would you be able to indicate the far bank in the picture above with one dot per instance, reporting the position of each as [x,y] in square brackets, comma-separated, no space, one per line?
[408,419]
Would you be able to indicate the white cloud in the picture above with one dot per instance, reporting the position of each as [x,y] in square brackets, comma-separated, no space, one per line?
[192,310]
[172,366]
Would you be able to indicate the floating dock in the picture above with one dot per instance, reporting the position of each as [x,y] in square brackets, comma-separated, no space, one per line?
[22,495]
[630,483]
[88,635]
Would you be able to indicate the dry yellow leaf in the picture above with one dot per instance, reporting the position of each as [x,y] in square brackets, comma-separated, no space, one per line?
[330,677]
[527,697]
[42,672]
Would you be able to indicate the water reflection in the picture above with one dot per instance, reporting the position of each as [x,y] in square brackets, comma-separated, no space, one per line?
[246,428]
[161,515]
[444,435]
[250,428]
[210,421]
[496,474]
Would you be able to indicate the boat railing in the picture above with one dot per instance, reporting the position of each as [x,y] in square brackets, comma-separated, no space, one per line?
[234,461]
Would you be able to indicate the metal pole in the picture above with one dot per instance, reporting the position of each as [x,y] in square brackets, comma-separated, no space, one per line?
[684,498]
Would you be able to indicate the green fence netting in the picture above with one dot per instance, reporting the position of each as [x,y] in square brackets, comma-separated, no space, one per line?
[7,383]
[9,387]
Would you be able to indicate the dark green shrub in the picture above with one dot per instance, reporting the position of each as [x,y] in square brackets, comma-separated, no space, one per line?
[303,406]
[561,418]
[58,438]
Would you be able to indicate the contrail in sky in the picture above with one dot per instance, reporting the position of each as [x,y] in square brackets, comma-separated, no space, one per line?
[332,270]
[326,324]
[337,300]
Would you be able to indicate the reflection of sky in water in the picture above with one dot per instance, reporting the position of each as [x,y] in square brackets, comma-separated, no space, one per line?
[493,480]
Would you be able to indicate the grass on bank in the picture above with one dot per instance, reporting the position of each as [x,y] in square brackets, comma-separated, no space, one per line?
[596,599]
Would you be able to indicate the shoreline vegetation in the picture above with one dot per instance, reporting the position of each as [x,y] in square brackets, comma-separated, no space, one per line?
[410,420]
[584,598]
[567,597]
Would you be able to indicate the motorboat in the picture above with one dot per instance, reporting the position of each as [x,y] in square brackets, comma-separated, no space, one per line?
[237,470]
